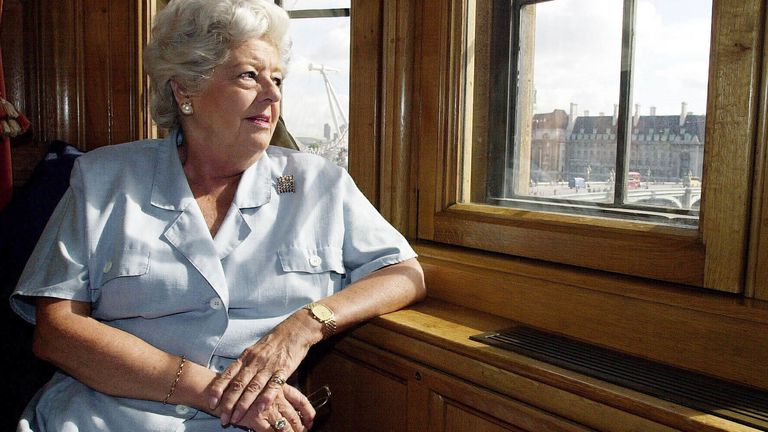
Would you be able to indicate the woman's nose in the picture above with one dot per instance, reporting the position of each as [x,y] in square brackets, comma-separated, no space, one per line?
[270,92]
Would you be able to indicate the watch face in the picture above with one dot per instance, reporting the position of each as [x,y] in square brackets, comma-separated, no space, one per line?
[322,312]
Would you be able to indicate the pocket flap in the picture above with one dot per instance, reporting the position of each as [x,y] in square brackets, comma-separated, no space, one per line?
[131,260]
[297,259]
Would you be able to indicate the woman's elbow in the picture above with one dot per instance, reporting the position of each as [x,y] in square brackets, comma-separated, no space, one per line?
[416,276]
[42,341]
[57,320]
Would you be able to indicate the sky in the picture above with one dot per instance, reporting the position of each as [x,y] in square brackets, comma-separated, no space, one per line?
[578,46]
[317,41]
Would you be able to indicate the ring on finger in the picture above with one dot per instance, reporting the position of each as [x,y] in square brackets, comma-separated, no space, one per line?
[276,381]
[279,424]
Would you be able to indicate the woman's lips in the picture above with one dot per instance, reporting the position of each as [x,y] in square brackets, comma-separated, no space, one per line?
[260,120]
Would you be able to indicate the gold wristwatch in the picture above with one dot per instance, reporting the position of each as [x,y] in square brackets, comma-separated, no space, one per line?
[323,314]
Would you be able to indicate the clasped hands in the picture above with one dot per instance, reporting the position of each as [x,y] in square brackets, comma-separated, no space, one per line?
[252,392]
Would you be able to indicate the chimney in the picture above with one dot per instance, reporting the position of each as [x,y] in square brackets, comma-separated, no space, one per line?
[683,113]
[615,114]
[653,111]
[572,116]
[636,118]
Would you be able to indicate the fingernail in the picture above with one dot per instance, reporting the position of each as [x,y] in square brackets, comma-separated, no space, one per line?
[212,402]
[224,419]
[236,416]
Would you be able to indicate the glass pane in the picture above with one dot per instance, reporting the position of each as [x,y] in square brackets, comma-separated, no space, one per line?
[574,66]
[315,4]
[316,89]
[542,107]
[670,94]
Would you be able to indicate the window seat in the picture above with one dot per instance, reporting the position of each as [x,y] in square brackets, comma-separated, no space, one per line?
[436,334]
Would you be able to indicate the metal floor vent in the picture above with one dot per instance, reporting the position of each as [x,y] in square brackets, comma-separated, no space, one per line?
[737,403]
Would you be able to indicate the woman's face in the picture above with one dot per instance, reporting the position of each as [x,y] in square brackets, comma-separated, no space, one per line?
[238,109]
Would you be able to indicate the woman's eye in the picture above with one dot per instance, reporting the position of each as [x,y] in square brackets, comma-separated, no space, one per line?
[249,75]
[278,81]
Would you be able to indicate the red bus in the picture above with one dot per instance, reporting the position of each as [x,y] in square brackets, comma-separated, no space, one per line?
[633,180]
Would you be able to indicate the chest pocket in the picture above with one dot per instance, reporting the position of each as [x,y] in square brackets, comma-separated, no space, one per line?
[129,260]
[324,266]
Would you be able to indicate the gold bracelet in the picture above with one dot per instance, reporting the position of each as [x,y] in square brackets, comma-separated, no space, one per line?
[175,380]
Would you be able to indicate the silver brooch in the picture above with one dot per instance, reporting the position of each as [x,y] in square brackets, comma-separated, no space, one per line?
[286,184]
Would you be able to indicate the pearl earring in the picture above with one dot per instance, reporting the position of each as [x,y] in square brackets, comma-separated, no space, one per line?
[186,108]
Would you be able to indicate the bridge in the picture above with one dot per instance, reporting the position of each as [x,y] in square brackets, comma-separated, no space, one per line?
[659,195]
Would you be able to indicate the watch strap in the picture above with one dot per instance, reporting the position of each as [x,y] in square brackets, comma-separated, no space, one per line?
[329,323]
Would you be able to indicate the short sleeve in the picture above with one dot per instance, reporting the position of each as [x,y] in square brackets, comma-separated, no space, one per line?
[370,242]
[58,264]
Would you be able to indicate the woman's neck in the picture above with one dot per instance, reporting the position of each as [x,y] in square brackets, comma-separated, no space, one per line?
[208,174]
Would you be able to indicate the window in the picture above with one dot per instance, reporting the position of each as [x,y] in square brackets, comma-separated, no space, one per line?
[587,65]
[316,92]
[458,86]
[315,105]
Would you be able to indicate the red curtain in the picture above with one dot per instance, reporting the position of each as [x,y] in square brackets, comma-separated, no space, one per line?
[6,171]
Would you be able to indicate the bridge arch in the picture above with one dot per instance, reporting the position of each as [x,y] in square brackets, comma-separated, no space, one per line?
[696,203]
[661,201]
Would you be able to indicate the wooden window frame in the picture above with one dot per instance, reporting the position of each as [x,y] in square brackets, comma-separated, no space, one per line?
[398,149]
[713,256]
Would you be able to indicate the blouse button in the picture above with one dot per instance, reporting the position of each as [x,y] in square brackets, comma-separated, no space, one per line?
[107,267]
[215,303]
[315,260]
[182,409]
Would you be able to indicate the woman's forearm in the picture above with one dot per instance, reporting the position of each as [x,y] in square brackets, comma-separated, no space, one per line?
[110,360]
[383,291]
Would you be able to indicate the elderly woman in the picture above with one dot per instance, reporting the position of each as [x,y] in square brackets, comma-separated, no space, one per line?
[181,281]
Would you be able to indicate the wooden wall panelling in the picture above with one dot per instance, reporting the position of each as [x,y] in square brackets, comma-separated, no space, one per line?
[736,58]
[436,335]
[396,191]
[757,271]
[17,43]
[13,40]
[58,71]
[733,346]
[79,79]
[375,390]
[460,406]
[110,44]
[432,146]
[362,397]
[440,375]
[365,94]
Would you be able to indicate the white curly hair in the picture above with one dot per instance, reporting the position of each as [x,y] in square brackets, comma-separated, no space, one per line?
[191,37]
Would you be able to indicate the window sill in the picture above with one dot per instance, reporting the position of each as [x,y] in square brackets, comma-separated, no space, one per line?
[721,335]
[436,333]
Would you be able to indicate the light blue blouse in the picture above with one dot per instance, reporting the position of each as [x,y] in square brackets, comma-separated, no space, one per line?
[129,238]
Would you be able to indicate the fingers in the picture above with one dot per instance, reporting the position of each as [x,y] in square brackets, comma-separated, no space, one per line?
[300,404]
[262,386]
[256,377]
[290,414]
[220,383]
[242,391]
[240,385]
[269,394]
[280,417]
